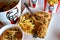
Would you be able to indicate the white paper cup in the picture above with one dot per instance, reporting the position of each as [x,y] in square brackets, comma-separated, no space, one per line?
[10,26]
[10,16]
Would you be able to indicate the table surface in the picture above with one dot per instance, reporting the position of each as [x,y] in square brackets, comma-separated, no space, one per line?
[1,24]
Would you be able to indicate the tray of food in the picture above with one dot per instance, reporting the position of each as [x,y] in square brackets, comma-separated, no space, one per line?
[35,25]
[36,22]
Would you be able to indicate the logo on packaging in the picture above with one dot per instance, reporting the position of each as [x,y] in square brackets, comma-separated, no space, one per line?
[51,7]
[12,15]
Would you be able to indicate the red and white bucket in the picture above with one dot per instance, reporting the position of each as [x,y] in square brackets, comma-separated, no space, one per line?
[11,16]
[44,5]
[51,8]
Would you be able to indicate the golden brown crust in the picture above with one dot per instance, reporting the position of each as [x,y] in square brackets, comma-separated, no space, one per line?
[44,20]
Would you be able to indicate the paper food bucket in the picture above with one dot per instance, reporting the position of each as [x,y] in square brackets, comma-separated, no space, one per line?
[11,15]
[44,5]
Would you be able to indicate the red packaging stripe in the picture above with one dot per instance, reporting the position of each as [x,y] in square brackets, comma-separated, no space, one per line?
[45,2]
[29,3]
[58,6]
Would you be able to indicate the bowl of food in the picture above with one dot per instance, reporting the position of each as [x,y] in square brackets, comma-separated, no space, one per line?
[35,24]
[11,32]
